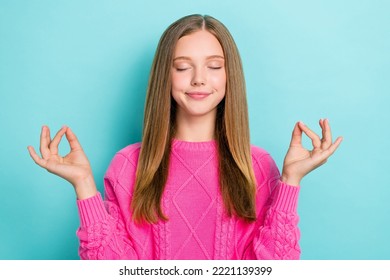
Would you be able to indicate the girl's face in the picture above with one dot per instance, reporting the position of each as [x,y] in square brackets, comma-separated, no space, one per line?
[198,75]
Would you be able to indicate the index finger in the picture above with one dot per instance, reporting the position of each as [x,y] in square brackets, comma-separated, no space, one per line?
[72,139]
[56,140]
[315,139]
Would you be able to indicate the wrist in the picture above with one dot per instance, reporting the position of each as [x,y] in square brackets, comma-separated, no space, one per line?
[290,180]
[85,188]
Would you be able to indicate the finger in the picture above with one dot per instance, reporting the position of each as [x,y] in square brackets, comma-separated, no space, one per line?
[322,125]
[335,145]
[72,139]
[56,141]
[45,141]
[41,162]
[296,138]
[315,139]
[326,134]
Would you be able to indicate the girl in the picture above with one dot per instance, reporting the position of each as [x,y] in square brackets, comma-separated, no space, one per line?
[194,188]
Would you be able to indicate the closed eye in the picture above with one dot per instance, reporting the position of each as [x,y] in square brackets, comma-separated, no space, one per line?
[181,69]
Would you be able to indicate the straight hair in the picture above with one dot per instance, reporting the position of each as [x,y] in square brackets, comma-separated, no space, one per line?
[236,176]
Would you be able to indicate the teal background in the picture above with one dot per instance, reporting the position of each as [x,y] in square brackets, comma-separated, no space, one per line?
[86,63]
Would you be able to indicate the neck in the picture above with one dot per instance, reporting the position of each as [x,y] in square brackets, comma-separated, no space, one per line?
[195,128]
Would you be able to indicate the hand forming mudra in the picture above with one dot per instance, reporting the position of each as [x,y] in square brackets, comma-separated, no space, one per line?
[300,161]
[74,167]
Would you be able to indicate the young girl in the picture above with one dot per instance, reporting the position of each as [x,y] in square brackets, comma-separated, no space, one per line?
[194,188]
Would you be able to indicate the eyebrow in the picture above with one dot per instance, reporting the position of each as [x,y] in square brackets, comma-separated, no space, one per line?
[207,58]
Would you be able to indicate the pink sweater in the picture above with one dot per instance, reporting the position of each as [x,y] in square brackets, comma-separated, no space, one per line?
[198,227]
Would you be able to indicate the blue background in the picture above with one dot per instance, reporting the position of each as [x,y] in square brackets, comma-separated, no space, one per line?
[86,64]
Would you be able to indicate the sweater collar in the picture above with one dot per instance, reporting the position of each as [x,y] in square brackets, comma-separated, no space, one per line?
[194,146]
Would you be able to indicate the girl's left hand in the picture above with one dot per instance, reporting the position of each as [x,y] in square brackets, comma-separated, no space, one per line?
[300,161]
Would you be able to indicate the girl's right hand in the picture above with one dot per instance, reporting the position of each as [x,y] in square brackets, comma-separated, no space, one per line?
[74,167]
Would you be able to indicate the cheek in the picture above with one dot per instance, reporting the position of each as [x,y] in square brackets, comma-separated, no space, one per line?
[174,81]
[219,81]
[179,81]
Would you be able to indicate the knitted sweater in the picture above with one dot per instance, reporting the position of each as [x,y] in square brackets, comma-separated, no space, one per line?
[198,225]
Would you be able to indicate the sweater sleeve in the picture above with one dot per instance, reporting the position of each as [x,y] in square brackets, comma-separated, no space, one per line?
[277,237]
[102,232]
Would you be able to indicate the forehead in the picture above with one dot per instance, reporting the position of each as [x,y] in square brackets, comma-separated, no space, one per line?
[198,44]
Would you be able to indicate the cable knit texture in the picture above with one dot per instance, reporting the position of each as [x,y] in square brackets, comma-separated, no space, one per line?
[198,226]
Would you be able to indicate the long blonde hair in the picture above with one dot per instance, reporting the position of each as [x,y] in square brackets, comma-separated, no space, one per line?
[237,179]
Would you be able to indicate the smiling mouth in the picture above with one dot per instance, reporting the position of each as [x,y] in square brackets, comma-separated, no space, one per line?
[198,95]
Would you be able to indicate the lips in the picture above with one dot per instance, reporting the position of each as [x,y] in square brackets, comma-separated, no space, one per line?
[198,95]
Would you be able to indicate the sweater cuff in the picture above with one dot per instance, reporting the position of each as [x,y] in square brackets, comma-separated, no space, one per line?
[91,210]
[286,198]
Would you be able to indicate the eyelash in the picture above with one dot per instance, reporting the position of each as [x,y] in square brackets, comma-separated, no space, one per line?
[212,68]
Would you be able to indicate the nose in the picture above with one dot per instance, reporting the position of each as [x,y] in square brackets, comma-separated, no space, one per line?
[199,77]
